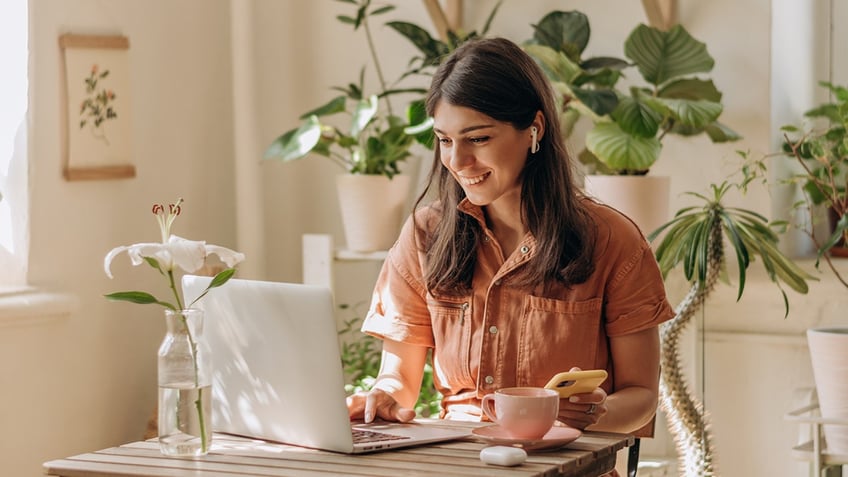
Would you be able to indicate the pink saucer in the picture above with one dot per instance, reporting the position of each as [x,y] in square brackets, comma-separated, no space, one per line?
[556,437]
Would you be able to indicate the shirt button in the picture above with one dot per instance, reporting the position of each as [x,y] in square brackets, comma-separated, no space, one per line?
[485,238]
[497,282]
[525,249]
[493,329]
[489,380]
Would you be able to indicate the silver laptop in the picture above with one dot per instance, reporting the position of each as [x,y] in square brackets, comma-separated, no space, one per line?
[277,371]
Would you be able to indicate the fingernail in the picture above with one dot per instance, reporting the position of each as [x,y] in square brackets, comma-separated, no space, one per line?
[369,416]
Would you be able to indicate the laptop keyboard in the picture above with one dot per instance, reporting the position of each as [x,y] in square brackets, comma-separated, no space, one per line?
[361,435]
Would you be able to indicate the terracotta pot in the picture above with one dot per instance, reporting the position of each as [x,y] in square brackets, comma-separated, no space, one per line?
[372,209]
[642,198]
[841,248]
[829,356]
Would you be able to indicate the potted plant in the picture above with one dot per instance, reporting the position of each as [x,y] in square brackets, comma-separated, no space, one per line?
[370,149]
[822,153]
[629,126]
[696,238]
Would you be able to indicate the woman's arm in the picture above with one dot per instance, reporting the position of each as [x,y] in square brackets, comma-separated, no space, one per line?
[636,368]
[396,389]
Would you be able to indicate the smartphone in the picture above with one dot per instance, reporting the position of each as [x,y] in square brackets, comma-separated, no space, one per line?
[575,382]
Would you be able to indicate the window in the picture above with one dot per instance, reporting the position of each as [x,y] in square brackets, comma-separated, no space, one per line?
[14,210]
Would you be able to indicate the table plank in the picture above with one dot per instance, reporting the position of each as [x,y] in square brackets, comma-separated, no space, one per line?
[589,456]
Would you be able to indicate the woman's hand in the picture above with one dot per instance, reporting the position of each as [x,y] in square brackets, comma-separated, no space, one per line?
[582,410]
[377,403]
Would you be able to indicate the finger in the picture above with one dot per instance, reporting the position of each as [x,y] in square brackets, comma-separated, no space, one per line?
[389,409]
[370,406]
[355,406]
[597,396]
[403,414]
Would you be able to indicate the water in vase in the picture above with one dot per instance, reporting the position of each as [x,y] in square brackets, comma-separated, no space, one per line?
[185,427]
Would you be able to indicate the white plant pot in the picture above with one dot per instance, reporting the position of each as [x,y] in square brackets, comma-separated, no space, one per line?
[372,209]
[829,355]
[642,198]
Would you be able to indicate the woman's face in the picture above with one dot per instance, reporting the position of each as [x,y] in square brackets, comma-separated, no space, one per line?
[484,155]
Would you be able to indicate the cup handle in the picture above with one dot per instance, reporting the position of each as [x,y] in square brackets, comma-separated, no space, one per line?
[486,406]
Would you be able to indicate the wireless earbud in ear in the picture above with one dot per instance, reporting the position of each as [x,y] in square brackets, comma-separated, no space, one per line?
[534,133]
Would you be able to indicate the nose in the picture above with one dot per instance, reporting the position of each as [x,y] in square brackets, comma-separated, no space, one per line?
[460,157]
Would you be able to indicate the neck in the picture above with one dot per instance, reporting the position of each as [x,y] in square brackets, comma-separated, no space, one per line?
[504,220]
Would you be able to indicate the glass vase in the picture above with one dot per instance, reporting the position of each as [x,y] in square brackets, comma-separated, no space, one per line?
[185,386]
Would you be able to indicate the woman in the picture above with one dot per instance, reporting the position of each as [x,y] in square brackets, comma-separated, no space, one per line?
[511,275]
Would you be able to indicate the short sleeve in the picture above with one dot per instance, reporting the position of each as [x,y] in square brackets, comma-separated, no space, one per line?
[398,308]
[636,298]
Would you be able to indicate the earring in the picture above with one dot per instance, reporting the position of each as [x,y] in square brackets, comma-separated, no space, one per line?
[534,147]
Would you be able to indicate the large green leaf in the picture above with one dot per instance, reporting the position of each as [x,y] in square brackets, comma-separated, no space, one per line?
[363,114]
[662,56]
[692,113]
[637,118]
[691,88]
[567,32]
[621,151]
[556,65]
[296,143]
[719,132]
[601,101]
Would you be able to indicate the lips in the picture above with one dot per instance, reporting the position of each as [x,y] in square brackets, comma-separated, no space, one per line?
[469,181]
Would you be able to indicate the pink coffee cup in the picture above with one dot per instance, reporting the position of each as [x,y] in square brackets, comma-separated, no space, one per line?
[524,412]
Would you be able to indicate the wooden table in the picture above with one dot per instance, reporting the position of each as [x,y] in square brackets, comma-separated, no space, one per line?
[591,455]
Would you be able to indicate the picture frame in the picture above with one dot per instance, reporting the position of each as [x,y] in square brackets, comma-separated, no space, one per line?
[96,107]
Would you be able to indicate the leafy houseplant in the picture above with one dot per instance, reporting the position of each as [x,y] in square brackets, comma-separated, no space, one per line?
[696,237]
[629,127]
[822,154]
[375,143]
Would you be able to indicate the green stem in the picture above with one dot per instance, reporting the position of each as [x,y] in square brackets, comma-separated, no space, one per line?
[198,404]
[174,289]
[376,61]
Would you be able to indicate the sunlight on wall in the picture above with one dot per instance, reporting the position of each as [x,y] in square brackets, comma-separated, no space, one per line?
[13,163]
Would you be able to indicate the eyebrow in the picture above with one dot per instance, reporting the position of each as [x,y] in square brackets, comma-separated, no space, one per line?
[468,129]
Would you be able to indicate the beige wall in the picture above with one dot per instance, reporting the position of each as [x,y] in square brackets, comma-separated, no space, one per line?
[87,381]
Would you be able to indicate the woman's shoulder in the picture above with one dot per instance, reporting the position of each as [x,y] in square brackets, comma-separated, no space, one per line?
[614,229]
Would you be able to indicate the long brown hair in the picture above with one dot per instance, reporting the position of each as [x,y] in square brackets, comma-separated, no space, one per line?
[497,78]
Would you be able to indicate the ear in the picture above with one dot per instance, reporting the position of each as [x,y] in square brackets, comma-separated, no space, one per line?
[537,132]
[539,122]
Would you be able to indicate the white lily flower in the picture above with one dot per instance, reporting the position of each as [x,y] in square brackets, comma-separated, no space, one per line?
[189,255]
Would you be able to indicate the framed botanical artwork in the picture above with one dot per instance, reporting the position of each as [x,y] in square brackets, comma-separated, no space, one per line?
[96,107]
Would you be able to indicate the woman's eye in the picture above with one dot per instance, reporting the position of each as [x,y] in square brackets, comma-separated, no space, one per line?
[444,141]
[478,140]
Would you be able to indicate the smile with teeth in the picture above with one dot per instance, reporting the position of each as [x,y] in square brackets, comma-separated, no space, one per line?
[468,181]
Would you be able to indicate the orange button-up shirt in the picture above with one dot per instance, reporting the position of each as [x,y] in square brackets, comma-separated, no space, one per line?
[503,335]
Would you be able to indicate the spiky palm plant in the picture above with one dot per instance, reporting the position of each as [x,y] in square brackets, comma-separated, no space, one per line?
[696,237]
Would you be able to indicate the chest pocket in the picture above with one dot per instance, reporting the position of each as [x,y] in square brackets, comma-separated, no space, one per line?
[451,320]
[556,335]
